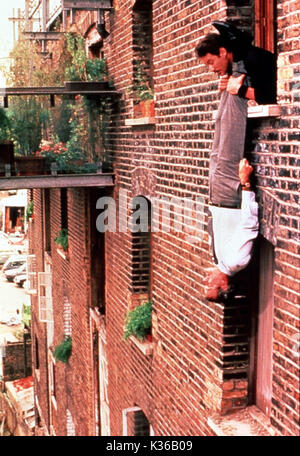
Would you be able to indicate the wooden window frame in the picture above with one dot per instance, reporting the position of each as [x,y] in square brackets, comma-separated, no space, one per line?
[264,11]
[260,374]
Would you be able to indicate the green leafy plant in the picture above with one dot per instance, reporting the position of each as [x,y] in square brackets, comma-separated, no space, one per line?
[62,239]
[29,211]
[83,68]
[63,351]
[138,321]
[27,119]
[5,126]
[141,89]
[26,315]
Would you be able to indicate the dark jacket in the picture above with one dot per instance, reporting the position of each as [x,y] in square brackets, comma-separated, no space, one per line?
[260,66]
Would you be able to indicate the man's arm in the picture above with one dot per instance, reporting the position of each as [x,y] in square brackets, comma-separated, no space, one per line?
[234,85]
[261,67]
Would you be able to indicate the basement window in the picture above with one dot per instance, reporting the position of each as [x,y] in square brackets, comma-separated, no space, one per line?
[135,423]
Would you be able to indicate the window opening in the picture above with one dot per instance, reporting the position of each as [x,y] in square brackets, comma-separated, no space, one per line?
[143,50]
[46,221]
[36,352]
[141,246]
[135,423]
[64,208]
[263,386]
[97,254]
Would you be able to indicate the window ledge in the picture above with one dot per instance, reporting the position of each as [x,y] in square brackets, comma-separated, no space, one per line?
[249,422]
[144,346]
[140,121]
[264,111]
[272,110]
[63,254]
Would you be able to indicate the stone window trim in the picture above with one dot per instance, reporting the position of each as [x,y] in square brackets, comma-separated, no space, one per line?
[52,379]
[248,422]
[146,347]
[264,111]
[271,110]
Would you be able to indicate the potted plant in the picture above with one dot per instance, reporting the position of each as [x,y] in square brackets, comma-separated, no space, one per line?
[29,211]
[138,321]
[63,351]
[6,146]
[27,119]
[63,242]
[84,74]
[143,95]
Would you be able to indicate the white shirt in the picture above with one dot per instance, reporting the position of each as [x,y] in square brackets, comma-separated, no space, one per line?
[234,232]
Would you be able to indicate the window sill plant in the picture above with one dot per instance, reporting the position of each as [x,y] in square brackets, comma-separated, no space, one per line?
[138,322]
[143,95]
[63,351]
[62,242]
[29,211]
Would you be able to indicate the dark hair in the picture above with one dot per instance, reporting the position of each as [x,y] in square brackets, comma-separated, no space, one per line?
[211,43]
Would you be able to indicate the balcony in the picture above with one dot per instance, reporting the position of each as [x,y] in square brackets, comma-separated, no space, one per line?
[57,7]
[36,171]
[93,89]
[59,181]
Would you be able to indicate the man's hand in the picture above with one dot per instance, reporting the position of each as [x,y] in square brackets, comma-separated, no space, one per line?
[235,83]
[223,81]
[245,170]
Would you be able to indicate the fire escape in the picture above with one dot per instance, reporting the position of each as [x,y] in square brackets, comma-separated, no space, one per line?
[49,11]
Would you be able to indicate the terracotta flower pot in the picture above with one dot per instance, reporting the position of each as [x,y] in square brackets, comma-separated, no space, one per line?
[147,108]
[144,108]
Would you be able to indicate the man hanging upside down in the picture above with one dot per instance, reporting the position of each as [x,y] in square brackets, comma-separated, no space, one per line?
[247,73]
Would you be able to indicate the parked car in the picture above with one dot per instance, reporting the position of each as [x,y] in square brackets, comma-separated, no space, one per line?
[13,262]
[3,236]
[11,273]
[6,253]
[20,279]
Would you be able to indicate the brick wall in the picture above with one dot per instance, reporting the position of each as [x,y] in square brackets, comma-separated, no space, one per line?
[70,284]
[38,329]
[192,372]
[277,170]
[188,368]
[17,361]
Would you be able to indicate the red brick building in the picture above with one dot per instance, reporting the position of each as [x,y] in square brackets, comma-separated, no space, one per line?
[210,364]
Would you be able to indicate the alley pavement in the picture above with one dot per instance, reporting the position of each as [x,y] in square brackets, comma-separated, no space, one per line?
[11,303]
